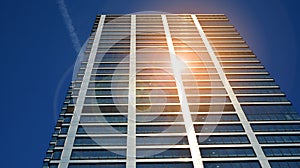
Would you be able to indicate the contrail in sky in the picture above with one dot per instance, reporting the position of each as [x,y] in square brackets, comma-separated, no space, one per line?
[69,24]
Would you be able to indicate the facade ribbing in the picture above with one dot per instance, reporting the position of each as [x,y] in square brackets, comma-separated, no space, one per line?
[172,90]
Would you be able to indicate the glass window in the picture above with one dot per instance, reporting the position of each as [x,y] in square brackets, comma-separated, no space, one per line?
[98,154]
[56,155]
[109,77]
[141,76]
[237,59]
[251,83]
[239,63]
[112,57]
[270,109]
[103,119]
[205,91]
[152,99]
[140,129]
[200,128]
[163,153]
[224,139]
[67,119]
[156,91]
[158,108]
[107,84]
[159,118]
[158,140]
[211,108]
[208,99]
[203,84]
[285,163]
[282,151]
[270,112]
[152,56]
[164,165]
[227,152]
[273,117]
[48,155]
[156,84]
[262,99]
[257,91]
[232,164]
[107,92]
[105,109]
[77,85]
[200,76]
[97,165]
[214,117]
[100,141]
[104,129]
[64,130]
[60,142]
[110,71]
[213,22]
[240,70]
[157,71]
[275,127]
[98,65]
[267,139]
[106,100]
[154,64]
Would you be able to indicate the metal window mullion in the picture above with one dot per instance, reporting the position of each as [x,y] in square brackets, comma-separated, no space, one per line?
[256,146]
[67,149]
[190,130]
[131,128]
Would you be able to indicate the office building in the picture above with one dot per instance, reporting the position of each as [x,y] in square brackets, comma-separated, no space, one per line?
[173,90]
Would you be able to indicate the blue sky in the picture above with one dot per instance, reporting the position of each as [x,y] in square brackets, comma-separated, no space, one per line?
[37,53]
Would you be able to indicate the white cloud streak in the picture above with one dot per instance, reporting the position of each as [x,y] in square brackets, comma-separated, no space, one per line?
[68,22]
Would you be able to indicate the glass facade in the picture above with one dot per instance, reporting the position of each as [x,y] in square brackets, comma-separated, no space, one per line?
[174,90]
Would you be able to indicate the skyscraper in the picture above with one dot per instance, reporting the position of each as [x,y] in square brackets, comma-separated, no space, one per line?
[172,90]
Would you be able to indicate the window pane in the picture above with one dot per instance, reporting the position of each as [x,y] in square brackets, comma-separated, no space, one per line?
[98,154]
[227,152]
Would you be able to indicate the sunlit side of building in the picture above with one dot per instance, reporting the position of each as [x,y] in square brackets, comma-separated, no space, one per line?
[172,90]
